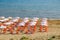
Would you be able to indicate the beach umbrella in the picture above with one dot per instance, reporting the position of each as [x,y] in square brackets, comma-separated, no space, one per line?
[43,25]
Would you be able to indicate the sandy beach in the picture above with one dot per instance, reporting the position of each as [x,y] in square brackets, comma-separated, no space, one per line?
[53,30]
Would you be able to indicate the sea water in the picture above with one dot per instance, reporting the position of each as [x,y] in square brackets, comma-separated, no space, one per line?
[30,8]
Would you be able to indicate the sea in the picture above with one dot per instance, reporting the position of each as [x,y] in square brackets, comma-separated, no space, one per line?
[30,8]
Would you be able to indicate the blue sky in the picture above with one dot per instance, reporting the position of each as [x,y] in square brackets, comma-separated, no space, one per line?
[30,4]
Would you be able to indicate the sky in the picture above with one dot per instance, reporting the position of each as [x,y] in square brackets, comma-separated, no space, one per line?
[18,6]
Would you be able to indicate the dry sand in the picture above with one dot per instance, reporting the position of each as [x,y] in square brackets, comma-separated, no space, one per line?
[53,30]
